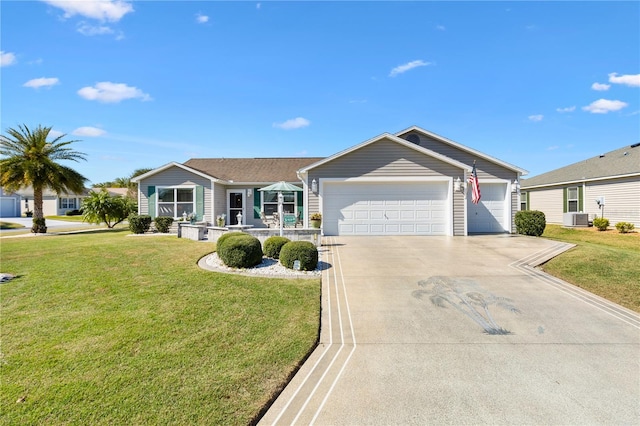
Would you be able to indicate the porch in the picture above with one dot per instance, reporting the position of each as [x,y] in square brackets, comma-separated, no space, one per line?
[202,231]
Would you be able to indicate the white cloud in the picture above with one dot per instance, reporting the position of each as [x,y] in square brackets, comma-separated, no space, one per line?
[537,117]
[42,82]
[55,134]
[601,87]
[102,10]
[441,27]
[109,92]
[567,109]
[408,66]
[7,58]
[201,19]
[88,131]
[92,30]
[294,123]
[603,106]
[627,79]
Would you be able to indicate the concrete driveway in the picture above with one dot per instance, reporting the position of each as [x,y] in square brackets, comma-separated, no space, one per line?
[52,225]
[441,330]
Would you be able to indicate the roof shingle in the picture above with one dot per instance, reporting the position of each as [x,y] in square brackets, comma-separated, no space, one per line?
[252,170]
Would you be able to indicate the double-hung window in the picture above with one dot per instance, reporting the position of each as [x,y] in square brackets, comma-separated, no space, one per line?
[174,202]
[270,202]
[67,203]
[572,199]
[523,201]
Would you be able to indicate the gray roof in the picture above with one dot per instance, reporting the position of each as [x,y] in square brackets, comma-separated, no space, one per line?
[252,170]
[621,162]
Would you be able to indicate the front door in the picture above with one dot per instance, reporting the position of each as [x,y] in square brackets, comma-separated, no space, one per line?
[236,205]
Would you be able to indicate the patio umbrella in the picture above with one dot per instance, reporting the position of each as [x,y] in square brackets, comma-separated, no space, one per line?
[281,187]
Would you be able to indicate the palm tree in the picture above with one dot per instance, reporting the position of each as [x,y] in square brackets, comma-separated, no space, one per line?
[29,160]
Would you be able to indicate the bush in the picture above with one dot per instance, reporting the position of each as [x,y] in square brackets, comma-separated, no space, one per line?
[139,224]
[273,245]
[163,223]
[240,251]
[530,222]
[624,227]
[39,226]
[601,223]
[304,251]
[224,237]
[75,212]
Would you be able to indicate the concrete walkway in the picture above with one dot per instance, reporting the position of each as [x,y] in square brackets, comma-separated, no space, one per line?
[430,330]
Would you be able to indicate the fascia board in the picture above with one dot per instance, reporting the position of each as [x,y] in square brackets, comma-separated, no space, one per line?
[571,182]
[181,166]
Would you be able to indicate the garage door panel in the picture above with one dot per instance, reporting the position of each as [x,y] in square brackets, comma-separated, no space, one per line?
[489,214]
[385,208]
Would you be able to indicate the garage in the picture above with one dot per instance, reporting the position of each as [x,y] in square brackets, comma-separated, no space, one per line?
[489,215]
[386,208]
[8,207]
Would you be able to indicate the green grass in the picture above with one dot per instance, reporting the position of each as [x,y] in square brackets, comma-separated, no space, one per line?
[101,328]
[604,263]
[10,225]
[76,218]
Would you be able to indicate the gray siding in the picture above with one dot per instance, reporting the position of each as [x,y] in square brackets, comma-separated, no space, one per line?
[219,200]
[484,168]
[622,200]
[458,213]
[175,176]
[549,201]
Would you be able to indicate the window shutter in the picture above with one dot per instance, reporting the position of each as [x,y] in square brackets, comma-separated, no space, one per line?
[300,207]
[199,202]
[256,203]
[565,196]
[151,200]
[528,202]
[580,199]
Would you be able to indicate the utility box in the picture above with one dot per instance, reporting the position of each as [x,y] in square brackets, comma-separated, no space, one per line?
[573,220]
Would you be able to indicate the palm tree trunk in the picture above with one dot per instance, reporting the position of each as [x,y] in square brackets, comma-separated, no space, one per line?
[39,224]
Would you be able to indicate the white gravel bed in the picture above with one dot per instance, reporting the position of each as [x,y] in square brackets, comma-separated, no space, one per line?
[267,267]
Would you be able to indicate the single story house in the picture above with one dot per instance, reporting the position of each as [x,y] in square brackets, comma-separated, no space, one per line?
[52,203]
[409,183]
[607,185]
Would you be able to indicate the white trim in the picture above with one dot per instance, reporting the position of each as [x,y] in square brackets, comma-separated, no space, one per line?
[463,148]
[576,181]
[180,166]
[157,201]
[392,138]
[244,204]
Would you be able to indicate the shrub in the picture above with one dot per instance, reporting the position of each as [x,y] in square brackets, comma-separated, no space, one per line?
[601,223]
[139,224]
[225,237]
[240,251]
[304,251]
[624,227]
[273,245]
[39,226]
[530,222]
[163,223]
[75,212]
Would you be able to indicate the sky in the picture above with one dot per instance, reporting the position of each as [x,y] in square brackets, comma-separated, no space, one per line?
[140,84]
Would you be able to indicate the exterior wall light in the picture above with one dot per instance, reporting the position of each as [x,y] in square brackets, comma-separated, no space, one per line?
[249,192]
[314,186]
[516,186]
[458,186]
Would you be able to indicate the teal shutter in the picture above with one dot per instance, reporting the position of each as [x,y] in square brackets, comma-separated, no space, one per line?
[151,200]
[580,199]
[256,203]
[300,207]
[199,202]
[565,201]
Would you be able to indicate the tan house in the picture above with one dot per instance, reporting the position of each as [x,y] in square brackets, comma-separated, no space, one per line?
[408,183]
[607,185]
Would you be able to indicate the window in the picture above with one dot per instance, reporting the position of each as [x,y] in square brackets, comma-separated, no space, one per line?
[523,201]
[174,202]
[67,203]
[572,199]
[270,202]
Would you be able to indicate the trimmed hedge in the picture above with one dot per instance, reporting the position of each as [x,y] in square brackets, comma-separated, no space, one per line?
[530,222]
[625,227]
[163,223]
[601,223]
[225,237]
[139,224]
[304,251]
[273,245]
[240,251]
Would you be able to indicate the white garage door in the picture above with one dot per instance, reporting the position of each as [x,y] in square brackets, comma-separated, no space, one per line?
[489,214]
[407,208]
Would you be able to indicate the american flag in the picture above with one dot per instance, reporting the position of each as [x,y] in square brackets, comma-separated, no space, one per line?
[475,186]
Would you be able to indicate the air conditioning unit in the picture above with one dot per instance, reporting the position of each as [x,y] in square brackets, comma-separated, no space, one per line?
[575,219]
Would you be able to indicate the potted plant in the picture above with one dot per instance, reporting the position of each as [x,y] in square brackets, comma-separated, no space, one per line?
[220,219]
[316,220]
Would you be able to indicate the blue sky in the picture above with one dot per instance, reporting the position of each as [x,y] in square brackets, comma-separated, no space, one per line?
[144,83]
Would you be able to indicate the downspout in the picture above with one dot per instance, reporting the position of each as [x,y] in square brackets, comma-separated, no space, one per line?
[305,198]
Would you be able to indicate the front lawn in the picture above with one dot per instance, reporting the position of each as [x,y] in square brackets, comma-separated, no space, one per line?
[605,263]
[101,328]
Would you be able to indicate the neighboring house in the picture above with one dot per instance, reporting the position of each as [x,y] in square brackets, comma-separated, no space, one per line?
[9,204]
[608,185]
[393,184]
[52,203]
